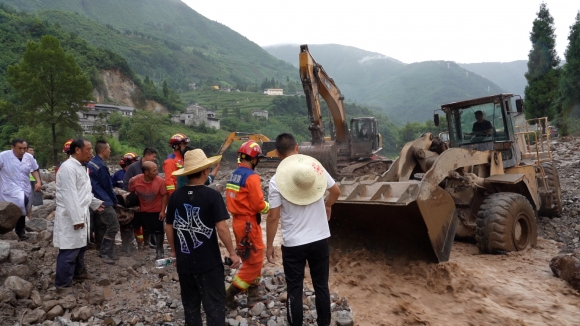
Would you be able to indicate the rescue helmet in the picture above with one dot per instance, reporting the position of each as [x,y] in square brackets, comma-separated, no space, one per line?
[66,147]
[250,149]
[128,159]
[178,139]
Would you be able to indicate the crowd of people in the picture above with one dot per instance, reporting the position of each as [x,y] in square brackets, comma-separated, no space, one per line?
[190,215]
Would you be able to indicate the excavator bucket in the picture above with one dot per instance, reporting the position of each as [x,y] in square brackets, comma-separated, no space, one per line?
[391,217]
[324,153]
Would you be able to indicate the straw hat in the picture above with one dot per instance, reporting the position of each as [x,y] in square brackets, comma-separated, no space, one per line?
[195,161]
[301,179]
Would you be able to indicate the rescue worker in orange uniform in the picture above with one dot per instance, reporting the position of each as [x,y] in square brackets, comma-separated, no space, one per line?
[245,201]
[174,161]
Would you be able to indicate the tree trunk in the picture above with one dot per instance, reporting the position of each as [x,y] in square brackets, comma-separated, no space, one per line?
[54,150]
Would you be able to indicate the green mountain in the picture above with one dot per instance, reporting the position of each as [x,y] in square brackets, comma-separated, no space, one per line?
[164,39]
[406,92]
[508,75]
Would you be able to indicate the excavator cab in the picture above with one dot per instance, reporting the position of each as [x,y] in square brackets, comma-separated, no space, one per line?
[366,139]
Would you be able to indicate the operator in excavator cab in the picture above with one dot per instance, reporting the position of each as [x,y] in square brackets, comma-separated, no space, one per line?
[245,201]
[481,127]
[364,131]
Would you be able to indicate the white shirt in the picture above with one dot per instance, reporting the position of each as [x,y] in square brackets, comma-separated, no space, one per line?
[300,224]
[73,198]
[15,178]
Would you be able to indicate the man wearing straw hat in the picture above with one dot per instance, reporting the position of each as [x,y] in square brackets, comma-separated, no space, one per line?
[297,200]
[195,214]
[245,201]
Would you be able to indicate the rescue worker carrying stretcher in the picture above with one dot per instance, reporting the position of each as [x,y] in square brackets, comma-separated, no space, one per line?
[245,201]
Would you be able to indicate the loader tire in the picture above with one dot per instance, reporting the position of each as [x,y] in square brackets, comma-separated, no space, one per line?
[553,181]
[505,222]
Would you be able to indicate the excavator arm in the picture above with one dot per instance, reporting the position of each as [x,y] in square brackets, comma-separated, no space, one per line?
[316,82]
[241,136]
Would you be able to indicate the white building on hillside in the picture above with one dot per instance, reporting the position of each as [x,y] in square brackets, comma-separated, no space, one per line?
[274,91]
[195,115]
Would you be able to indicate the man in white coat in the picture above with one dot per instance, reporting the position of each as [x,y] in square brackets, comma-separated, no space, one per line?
[72,219]
[15,167]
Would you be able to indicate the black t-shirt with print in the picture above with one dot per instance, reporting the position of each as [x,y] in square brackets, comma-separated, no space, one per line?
[194,211]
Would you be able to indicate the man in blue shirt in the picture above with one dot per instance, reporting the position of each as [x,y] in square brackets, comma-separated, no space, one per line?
[103,190]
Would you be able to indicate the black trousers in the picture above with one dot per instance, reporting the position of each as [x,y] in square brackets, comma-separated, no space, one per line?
[294,261]
[21,224]
[207,289]
[150,222]
[69,263]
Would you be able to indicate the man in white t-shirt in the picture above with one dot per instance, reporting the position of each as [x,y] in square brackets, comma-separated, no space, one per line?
[296,199]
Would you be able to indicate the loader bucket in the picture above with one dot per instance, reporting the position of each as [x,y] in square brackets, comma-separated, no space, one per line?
[391,217]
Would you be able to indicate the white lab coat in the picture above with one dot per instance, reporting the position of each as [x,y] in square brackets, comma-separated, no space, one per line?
[73,198]
[15,180]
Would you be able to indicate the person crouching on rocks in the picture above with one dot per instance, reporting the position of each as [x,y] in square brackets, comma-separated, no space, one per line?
[196,216]
[72,222]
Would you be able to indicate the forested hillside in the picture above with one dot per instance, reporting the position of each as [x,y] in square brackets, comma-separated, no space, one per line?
[508,75]
[405,92]
[166,40]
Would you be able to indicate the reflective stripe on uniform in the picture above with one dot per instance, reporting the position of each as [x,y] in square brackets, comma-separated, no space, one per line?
[232,187]
[266,208]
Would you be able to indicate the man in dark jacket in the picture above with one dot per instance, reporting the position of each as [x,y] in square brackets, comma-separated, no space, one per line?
[103,190]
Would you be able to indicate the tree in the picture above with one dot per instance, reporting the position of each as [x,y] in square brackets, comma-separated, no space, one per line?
[542,76]
[225,112]
[51,86]
[165,90]
[570,76]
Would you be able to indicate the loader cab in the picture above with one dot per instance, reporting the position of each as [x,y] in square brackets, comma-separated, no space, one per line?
[483,124]
[365,136]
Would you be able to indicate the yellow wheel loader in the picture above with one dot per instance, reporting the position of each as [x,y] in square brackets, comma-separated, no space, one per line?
[490,185]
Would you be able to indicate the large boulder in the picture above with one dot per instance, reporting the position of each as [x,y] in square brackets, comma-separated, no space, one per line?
[567,267]
[18,256]
[44,210]
[9,215]
[36,225]
[20,287]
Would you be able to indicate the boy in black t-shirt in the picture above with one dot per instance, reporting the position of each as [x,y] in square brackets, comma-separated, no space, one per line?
[194,214]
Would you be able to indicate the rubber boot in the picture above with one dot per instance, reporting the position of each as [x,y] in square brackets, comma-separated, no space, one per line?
[160,254]
[112,252]
[126,240]
[231,293]
[151,240]
[106,245]
[254,295]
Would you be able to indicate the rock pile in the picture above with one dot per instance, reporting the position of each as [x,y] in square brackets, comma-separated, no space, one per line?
[131,292]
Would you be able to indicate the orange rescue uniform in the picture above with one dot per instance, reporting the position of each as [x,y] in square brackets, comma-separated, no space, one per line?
[172,163]
[244,199]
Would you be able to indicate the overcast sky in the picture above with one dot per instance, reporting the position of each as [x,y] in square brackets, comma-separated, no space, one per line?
[464,31]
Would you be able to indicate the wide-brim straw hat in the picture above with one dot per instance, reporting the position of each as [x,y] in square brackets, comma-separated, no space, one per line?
[301,179]
[195,161]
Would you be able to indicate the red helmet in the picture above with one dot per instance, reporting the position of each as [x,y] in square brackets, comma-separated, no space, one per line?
[66,147]
[251,149]
[128,159]
[178,139]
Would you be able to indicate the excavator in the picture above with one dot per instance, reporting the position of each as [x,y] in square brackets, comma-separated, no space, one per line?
[490,186]
[345,152]
[270,160]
